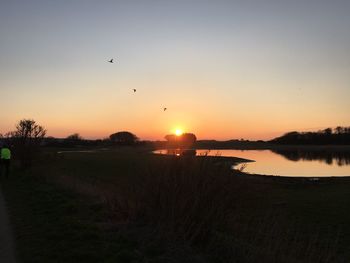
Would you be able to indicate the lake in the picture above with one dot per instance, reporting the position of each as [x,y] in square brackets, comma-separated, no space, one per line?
[294,163]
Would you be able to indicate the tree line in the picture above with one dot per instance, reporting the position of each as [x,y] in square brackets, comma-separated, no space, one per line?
[124,138]
[27,138]
[339,135]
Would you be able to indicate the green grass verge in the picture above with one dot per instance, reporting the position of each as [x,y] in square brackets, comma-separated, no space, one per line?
[55,225]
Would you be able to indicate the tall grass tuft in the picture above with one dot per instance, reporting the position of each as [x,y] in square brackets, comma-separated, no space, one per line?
[199,203]
[187,198]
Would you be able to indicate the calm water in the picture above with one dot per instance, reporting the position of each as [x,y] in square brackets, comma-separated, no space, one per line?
[286,163]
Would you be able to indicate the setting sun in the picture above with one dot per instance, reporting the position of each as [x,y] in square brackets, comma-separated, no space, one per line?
[172,117]
[178,132]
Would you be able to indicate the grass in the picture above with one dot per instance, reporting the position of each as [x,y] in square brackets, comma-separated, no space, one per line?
[55,225]
[130,206]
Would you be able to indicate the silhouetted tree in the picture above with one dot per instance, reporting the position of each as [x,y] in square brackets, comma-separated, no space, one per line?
[74,137]
[123,138]
[328,131]
[73,140]
[183,140]
[188,138]
[170,137]
[339,130]
[26,140]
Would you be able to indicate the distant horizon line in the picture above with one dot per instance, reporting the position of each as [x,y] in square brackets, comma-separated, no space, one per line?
[277,134]
[272,136]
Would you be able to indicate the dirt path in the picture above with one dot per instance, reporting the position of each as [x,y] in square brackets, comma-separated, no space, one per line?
[7,252]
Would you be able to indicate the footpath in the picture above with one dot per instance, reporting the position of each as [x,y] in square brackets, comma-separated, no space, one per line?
[7,251]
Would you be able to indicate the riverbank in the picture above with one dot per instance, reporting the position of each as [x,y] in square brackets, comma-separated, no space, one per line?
[116,201]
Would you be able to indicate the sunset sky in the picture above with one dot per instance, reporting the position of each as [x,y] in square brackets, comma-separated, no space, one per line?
[223,69]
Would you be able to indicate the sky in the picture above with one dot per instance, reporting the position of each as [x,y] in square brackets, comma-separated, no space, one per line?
[223,69]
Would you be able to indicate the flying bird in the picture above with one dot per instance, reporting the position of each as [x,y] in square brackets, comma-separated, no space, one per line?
[110,61]
[164,109]
[134,90]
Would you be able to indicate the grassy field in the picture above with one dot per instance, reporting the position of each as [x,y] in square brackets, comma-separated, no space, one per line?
[130,206]
[52,224]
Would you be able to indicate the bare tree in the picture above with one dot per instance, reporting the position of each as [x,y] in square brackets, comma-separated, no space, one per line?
[26,140]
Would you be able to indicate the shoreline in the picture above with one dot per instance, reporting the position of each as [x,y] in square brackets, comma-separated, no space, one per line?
[298,179]
[330,147]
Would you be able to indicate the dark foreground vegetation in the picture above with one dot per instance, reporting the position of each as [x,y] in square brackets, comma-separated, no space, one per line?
[127,205]
[112,201]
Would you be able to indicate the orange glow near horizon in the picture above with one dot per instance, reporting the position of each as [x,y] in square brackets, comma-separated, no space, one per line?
[154,127]
[175,68]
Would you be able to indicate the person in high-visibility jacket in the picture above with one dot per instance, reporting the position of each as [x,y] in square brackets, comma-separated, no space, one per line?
[5,156]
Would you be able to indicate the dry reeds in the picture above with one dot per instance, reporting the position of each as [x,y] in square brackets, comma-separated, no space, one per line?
[199,202]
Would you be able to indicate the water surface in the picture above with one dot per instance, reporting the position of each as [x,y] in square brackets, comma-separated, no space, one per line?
[284,163]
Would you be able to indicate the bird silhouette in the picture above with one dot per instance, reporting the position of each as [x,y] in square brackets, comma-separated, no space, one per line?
[164,109]
[134,90]
[110,61]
